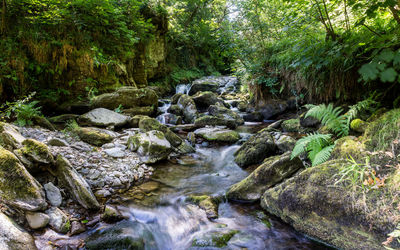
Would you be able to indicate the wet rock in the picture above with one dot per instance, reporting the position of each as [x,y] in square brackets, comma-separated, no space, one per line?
[188,107]
[17,187]
[121,236]
[134,121]
[102,117]
[75,184]
[207,203]
[93,136]
[273,108]
[56,142]
[14,237]
[176,110]
[214,239]
[173,138]
[242,106]
[205,99]
[128,97]
[208,120]
[111,214]
[77,228]
[201,86]
[152,146]
[58,220]
[256,149]
[10,138]
[115,152]
[184,148]
[285,143]
[218,134]
[227,114]
[175,98]
[53,194]
[37,220]
[273,170]
[148,124]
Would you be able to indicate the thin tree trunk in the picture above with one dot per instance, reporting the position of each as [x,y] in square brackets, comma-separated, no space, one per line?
[329,21]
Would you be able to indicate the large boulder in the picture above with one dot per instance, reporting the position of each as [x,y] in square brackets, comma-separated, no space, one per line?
[149,124]
[205,99]
[152,146]
[188,107]
[12,237]
[340,215]
[128,97]
[17,187]
[216,134]
[273,170]
[273,108]
[93,136]
[227,114]
[256,149]
[102,117]
[10,138]
[199,85]
[75,184]
[209,120]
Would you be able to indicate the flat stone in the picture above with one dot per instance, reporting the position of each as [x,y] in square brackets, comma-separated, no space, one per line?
[115,152]
[102,117]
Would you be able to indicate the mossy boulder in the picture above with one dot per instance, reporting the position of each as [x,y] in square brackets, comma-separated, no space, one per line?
[102,117]
[201,86]
[205,99]
[148,124]
[358,125]
[10,138]
[123,235]
[152,146]
[134,121]
[292,125]
[128,97]
[43,122]
[207,203]
[93,136]
[13,237]
[148,110]
[17,187]
[273,170]
[272,108]
[175,109]
[256,149]
[242,106]
[36,152]
[214,239]
[349,146]
[63,118]
[76,185]
[340,215]
[226,114]
[208,120]
[285,143]
[377,114]
[220,135]
[188,107]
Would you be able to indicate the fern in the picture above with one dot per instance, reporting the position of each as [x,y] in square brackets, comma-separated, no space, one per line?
[330,117]
[368,105]
[318,148]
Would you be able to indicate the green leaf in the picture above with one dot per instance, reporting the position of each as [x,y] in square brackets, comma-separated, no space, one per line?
[389,75]
[369,71]
[386,55]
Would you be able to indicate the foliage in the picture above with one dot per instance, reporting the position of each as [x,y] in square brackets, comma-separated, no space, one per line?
[330,117]
[22,110]
[119,109]
[317,146]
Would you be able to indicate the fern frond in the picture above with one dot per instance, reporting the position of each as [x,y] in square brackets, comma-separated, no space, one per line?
[323,155]
[330,117]
[302,144]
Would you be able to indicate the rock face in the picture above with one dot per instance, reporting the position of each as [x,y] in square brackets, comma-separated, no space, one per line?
[93,136]
[13,237]
[102,117]
[273,108]
[256,149]
[76,185]
[311,204]
[205,99]
[10,138]
[17,187]
[188,107]
[218,134]
[273,170]
[200,85]
[128,97]
[152,146]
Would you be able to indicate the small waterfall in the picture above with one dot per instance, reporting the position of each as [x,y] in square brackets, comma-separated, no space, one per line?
[164,111]
[183,88]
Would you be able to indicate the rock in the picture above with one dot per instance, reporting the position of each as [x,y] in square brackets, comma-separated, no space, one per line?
[205,99]
[309,122]
[36,152]
[148,111]
[218,134]
[111,214]
[191,137]
[349,146]
[53,194]
[275,125]
[10,138]
[128,97]
[102,117]
[331,213]
[123,235]
[93,136]
[185,148]
[17,187]
[358,125]
[207,203]
[58,220]
[148,124]
[77,228]
[188,107]
[285,143]
[292,125]
[273,170]
[175,98]
[75,184]
[253,117]
[226,114]
[184,128]
[152,146]
[43,122]
[168,118]
[56,142]
[13,237]
[201,86]
[242,106]
[134,121]
[63,118]
[176,110]
[37,220]
[214,239]
[173,138]
[208,120]
[256,149]
[273,108]
[115,152]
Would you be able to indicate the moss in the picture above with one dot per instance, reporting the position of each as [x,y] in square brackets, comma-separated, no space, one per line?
[292,125]
[148,124]
[37,150]
[358,125]
[377,114]
[93,136]
[197,199]
[216,239]
[348,146]
[66,227]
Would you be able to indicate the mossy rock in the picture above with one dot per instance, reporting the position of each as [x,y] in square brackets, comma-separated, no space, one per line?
[152,146]
[188,107]
[198,86]
[377,114]
[226,114]
[347,147]
[208,120]
[43,122]
[17,187]
[212,239]
[292,125]
[219,135]
[134,121]
[10,138]
[205,99]
[93,136]
[37,152]
[63,118]
[148,110]
[358,125]
[207,203]
[148,124]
